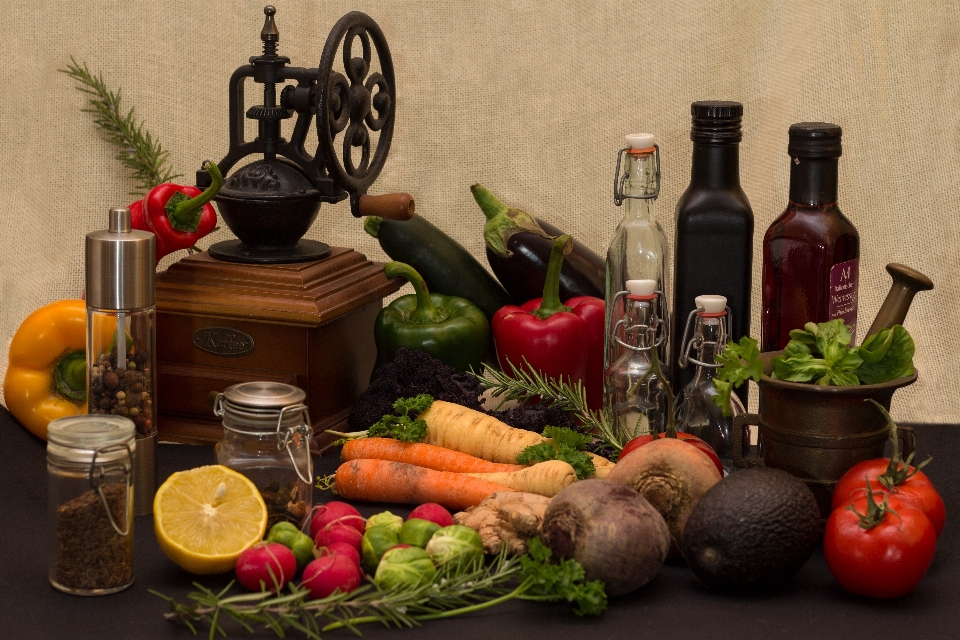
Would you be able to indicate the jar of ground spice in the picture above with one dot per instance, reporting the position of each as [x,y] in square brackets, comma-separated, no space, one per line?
[90,500]
[266,437]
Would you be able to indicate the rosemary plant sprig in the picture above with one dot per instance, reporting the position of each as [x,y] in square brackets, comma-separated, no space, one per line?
[524,384]
[449,595]
[137,149]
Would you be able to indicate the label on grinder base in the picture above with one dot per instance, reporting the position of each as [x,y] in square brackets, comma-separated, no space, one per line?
[844,279]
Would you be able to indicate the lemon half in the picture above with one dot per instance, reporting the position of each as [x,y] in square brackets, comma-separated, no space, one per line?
[205,517]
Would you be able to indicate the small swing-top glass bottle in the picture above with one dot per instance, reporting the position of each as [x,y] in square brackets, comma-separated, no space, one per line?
[698,414]
[635,396]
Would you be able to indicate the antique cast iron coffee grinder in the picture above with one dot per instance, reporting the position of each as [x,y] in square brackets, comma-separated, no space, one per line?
[270,305]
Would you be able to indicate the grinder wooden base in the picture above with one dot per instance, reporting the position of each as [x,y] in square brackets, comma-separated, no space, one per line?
[307,324]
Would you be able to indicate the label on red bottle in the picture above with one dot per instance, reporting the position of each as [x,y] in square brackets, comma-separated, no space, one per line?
[844,278]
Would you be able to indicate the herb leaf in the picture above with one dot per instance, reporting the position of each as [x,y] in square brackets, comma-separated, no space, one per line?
[887,355]
[563,580]
[564,444]
[733,372]
[402,426]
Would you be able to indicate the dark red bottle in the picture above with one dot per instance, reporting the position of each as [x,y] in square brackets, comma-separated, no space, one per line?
[811,253]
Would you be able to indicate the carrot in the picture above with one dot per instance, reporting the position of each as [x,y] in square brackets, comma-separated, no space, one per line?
[460,428]
[386,481]
[544,478]
[421,455]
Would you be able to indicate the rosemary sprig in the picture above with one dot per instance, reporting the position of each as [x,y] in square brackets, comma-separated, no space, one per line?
[524,384]
[448,596]
[137,149]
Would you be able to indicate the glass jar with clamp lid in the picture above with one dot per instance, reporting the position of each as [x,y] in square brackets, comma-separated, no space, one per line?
[266,437]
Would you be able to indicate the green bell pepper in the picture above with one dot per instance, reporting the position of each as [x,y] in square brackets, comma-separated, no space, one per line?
[451,329]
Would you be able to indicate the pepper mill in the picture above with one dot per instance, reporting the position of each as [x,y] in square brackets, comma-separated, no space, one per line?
[121,340]
[906,283]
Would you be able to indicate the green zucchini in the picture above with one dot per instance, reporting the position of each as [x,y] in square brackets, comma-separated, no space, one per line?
[443,263]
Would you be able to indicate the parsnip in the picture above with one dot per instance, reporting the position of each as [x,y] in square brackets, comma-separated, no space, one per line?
[463,429]
[544,478]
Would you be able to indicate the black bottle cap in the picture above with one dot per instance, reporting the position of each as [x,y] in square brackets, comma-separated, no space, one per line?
[814,140]
[716,121]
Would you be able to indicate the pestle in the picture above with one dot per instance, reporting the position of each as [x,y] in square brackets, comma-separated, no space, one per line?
[906,283]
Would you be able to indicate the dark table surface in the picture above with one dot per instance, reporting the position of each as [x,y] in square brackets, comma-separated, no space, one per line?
[674,605]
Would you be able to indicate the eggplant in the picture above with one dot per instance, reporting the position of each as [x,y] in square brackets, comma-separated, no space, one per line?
[518,249]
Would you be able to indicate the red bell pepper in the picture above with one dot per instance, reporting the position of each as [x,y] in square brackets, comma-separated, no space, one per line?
[559,341]
[178,215]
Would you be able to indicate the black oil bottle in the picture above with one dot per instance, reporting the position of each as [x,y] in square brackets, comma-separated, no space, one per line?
[714,228]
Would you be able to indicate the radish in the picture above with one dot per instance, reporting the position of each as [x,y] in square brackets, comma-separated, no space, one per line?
[268,565]
[671,475]
[434,513]
[336,512]
[337,532]
[342,548]
[328,573]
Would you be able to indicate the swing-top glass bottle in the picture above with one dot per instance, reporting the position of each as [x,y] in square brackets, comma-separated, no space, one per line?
[698,414]
[639,248]
[634,393]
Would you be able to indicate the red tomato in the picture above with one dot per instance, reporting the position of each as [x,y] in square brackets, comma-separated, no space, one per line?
[689,438]
[885,561]
[917,490]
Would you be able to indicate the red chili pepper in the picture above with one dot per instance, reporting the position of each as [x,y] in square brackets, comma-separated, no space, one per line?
[559,341]
[178,215]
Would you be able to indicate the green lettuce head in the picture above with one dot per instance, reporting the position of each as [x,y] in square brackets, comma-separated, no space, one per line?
[458,545]
[404,569]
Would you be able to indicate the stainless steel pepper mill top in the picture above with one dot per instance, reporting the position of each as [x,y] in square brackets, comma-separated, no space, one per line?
[121,265]
[121,339]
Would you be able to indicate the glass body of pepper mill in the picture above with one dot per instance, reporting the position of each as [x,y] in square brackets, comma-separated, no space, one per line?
[634,396]
[699,415]
[639,249]
[121,339]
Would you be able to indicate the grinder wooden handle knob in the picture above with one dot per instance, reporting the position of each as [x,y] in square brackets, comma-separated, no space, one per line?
[390,206]
[906,283]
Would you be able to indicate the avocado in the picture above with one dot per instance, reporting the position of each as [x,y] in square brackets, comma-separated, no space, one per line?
[754,528]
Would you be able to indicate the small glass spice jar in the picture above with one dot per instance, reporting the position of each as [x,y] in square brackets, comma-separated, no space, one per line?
[90,503]
[266,437]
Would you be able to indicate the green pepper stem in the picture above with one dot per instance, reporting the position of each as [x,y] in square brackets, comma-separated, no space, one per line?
[185,215]
[425,312]
[551,287]
[70,376]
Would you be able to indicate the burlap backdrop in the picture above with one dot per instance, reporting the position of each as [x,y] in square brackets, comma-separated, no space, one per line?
[530,98]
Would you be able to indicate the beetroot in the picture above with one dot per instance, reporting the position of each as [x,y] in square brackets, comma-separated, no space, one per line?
[337,532]
[434,513]
[340,512]
[331,572]
[611,530]
[268,565]
[343,549]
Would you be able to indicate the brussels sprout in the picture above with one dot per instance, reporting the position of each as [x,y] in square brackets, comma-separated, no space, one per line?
[376,541]
[418,532]
[385,519]
[456,544]
[404,568]
[289,536]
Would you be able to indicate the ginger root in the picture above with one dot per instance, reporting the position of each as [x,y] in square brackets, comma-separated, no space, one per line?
[506,519]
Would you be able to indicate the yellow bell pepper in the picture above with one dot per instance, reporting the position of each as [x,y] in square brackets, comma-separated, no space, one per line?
[47,374]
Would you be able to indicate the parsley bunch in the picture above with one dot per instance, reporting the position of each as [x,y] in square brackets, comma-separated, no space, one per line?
[564,444]
[402,425]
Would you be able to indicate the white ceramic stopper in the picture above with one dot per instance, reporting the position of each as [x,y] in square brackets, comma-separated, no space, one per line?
[711,304]
[642,287]
[641,140]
